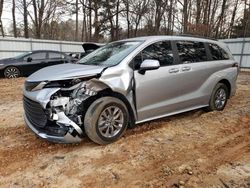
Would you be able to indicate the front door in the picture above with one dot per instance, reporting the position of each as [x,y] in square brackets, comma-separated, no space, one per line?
[155,89]
[33,62]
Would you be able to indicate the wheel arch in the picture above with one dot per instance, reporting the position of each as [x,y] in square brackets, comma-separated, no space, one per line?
[228,84]
[105,93]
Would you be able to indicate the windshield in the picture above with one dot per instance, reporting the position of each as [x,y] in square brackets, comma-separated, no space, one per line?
[22,55]
[111,54]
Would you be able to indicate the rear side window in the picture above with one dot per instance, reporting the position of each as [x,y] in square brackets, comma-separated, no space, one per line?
[217,52]
[36,56]
[161,51]
[53,55]
[191,51]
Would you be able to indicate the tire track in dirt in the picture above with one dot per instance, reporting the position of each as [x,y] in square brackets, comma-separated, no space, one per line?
[153,154]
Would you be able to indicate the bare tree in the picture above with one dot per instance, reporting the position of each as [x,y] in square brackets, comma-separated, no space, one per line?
[117,20]
[160,8]
[170,17]
[185,16]
[127,11]
[220,18]
[233,18]
[14,18]
[1,11]
[84,21]
[100,19]
[76,29]
[25,19]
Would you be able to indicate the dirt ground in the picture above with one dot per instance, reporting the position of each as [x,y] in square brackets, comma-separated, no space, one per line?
[194,149]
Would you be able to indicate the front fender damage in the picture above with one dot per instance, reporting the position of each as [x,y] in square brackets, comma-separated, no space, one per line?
[64,105]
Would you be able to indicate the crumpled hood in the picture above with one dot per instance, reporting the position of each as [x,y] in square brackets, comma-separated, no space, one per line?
[64,72]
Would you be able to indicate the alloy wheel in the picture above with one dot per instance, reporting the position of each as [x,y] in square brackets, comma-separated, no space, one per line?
[110,121]
[11,72]
[220,98]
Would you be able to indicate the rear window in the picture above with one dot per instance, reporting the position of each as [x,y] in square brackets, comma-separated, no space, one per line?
[217,52]
[191,51]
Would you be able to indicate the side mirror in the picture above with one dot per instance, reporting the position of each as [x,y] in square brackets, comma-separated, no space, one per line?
[149,64]
[29,59]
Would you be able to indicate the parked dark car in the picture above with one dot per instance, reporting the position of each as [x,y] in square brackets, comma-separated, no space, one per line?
[27,63]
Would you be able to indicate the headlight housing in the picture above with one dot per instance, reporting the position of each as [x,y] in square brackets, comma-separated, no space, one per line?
[34,86]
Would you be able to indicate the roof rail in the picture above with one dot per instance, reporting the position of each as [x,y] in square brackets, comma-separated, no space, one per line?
[197,36]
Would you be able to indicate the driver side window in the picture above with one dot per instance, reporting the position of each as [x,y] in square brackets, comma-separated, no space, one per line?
[161,51]
[36,56]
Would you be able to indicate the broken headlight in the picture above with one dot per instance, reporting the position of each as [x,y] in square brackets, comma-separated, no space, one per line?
[34,86]
[63,83]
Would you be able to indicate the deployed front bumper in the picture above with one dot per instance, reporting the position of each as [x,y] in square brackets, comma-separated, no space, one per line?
[67,138]
[62,130]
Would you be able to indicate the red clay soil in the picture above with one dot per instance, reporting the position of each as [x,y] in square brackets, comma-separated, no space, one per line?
[193,149]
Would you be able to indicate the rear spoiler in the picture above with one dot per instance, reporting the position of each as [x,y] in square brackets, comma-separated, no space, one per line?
[90,46]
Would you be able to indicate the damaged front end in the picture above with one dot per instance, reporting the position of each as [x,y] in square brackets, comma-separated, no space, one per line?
[53,110]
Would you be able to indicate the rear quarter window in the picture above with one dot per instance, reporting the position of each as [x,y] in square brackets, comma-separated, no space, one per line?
[217,52]
[191,52]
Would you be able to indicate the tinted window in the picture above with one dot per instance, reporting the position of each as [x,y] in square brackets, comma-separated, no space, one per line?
[36,56]
[217,52]
[191,51]
[161,51]
[53,55]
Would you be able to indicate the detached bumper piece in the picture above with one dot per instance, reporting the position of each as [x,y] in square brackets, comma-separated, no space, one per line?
[64,130]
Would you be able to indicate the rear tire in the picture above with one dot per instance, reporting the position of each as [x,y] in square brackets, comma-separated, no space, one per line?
[218,98]
[106,120]
[11,72]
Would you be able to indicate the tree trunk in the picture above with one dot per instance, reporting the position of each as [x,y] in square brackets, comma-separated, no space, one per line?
[185,16]
[157,17]
[128,21]
[232,19]
[96,22]
[36,19]
[25,19]
[14,18]
[117,20]
[214,9]
[170,13]
[220,19]
[84,36]
[40,18]
[90,20]
[198,11]
[1,11]
[76,31]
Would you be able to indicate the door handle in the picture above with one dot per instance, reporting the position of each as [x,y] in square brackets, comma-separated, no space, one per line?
[186,68]
[173,70]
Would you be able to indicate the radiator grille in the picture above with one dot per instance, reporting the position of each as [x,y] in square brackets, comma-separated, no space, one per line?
[35,113]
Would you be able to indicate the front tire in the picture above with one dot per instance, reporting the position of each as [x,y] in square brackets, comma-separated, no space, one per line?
[218,98]
[11,72]
[106,120]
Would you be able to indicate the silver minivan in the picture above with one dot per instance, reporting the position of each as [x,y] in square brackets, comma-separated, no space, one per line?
[125,83]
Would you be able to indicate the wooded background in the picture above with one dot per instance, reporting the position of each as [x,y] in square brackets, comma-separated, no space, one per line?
[108,20]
